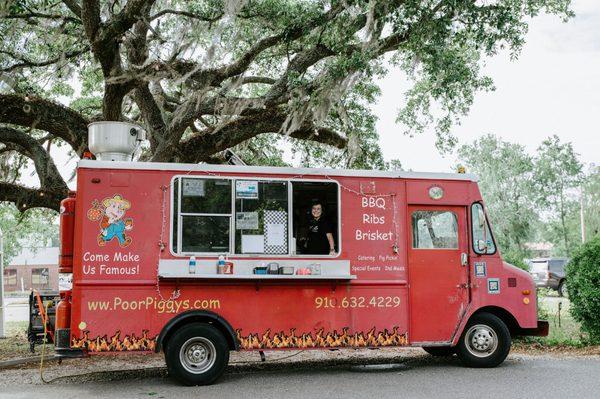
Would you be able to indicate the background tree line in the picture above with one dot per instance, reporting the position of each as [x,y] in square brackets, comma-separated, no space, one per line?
[535,198]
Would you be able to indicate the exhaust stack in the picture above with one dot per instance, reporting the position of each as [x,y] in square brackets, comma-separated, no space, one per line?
[114,141]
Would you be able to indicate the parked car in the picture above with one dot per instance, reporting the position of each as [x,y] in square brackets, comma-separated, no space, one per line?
[549,273]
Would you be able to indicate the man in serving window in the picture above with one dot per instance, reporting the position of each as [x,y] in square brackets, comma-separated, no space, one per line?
[319,238]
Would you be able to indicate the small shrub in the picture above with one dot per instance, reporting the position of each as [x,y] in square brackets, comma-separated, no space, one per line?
[515,259]
[542,312]
[583,276]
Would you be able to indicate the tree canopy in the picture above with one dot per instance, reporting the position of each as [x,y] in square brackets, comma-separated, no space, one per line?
[536,197]
[202,76]
[507,181]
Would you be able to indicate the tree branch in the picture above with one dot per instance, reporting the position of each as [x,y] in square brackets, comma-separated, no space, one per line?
[38,113]
[26,63]
[202,145]
[33,14]
[90,16]
[187,14]
[50,178]
[256,79]
[74,6]
[26,197]
[124,20]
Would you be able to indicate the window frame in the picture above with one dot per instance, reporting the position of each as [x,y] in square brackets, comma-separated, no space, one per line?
[487,224]
[8,271]
[289,210]
[180,215]
[39,275]
[231,253]
[412,237]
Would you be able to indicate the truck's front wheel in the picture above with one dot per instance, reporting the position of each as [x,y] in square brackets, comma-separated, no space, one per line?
[196,354]
[485,341]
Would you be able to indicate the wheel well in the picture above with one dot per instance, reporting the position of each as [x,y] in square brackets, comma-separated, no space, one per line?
[504,315]
[197,317]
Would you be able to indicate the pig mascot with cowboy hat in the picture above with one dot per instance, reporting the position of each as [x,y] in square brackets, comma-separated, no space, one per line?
[112,223]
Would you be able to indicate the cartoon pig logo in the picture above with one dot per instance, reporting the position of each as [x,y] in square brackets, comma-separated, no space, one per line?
[110,214]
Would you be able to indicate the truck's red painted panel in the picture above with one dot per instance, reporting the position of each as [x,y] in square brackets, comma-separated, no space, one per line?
[120,304]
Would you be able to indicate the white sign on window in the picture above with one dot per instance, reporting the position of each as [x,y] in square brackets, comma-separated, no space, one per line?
[193,188]
[275,234]
[246,220]
[245,189]
[253,244]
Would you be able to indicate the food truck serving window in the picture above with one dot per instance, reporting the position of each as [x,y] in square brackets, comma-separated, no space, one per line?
[434,230]
[252,216]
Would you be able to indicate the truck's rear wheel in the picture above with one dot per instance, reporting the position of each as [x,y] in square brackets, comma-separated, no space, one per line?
[440,351]
[485,341]
[196,354]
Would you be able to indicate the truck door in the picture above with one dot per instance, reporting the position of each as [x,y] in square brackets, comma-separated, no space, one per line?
[438,271]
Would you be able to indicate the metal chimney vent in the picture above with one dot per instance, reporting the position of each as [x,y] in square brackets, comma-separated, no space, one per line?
[114,141]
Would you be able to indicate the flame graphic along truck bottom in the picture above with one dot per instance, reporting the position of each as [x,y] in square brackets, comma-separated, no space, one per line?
[323,340]
[115,343]
[279,340]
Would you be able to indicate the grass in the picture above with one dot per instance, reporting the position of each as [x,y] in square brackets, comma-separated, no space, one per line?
[564,330]
[15,345]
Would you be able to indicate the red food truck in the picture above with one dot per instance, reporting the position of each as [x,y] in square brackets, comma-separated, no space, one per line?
[199,260]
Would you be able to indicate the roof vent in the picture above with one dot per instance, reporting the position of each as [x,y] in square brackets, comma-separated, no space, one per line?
[114,141]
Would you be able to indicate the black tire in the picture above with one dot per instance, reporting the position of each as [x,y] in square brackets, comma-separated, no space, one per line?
[440,351]
[196,354]
[485,342]
[562,289]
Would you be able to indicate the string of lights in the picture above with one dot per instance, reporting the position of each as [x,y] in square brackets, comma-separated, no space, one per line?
[165,189]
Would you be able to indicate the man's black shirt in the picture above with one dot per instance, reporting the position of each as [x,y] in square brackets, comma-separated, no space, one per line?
[317,237]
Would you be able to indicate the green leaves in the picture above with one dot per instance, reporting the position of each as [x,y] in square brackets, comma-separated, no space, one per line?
[534,198]
[583,276]
[33,226]
[506,182]
[557,171]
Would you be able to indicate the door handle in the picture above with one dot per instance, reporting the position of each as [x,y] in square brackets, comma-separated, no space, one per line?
[464,260]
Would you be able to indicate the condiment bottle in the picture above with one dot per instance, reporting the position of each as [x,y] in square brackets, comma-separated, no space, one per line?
[192,265]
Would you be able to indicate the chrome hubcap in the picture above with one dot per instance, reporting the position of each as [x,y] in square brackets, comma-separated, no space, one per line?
[197,355]
[481,340]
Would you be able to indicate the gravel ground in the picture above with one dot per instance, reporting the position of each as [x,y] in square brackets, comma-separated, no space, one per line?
[108,367]
[103,368]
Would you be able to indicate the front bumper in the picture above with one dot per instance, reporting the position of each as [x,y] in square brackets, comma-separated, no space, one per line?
[542,329]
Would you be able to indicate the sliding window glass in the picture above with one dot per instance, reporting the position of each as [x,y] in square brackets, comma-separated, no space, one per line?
[203,219]
[261,217]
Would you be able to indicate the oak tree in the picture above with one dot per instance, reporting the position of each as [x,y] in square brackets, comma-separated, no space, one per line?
[202,76]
